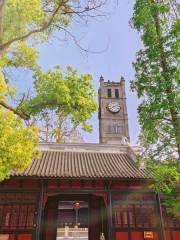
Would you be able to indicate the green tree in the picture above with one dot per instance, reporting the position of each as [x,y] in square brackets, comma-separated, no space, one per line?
[24,24]
[157,82]
[69,96]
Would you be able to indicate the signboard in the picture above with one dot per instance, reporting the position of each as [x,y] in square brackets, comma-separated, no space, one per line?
[148,235]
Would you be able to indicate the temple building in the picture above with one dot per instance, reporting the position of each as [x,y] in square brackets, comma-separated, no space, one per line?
[87,191]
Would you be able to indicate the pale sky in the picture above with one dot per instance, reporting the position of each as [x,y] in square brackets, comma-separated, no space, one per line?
[118,44]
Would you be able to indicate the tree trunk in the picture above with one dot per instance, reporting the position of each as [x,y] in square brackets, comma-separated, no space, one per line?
[169,89]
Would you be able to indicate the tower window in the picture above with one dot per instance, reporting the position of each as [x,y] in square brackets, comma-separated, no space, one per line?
[115,129]
[119,129]
[109,92]
[117,93]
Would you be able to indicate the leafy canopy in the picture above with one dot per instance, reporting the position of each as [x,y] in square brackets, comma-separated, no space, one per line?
[67,93]
[17,142]
[24,24]
[157,83]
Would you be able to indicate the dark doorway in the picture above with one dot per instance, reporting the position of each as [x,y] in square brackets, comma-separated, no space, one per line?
[72,220]
[81,216]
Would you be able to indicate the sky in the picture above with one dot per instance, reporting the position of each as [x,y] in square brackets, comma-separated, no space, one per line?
[116,44]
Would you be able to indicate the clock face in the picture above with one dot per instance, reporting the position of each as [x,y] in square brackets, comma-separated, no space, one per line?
[114,107]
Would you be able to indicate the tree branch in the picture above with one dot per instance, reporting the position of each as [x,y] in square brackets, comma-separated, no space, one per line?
[16,111]
[5,45]
[75,40]
[167,119]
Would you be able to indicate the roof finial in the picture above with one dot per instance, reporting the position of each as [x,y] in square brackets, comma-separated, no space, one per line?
[122,78]
[101,79]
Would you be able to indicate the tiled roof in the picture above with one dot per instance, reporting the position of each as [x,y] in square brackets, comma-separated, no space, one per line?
[87,164]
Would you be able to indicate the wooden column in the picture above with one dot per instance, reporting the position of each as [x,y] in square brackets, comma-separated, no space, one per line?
[161,222]
[40,210]
[110,216]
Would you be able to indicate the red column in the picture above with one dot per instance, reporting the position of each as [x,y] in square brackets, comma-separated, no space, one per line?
[50,225]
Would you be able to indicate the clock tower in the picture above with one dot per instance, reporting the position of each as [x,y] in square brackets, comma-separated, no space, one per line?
[113,117]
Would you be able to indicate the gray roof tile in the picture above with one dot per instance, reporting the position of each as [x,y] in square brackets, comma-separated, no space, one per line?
[68,164]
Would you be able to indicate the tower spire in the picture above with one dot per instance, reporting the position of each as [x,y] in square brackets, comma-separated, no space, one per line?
[101,79]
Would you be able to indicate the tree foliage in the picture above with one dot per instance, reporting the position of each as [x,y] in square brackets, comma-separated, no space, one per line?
[38,19]
[68,94]
[24,24]
[55,126]
[17,142]
[157,84]
[167,180]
